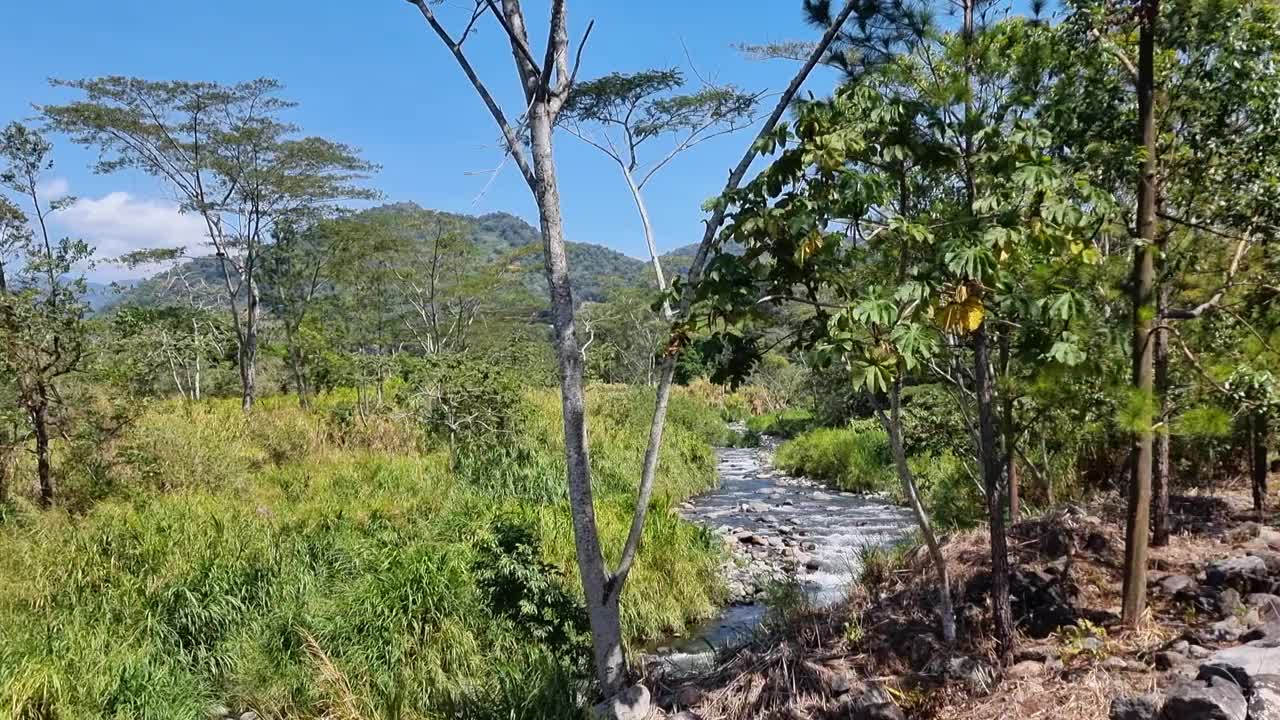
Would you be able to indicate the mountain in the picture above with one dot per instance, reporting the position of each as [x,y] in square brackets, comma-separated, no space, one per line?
[593,268]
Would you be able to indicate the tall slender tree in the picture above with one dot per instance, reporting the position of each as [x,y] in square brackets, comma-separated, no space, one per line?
[230,157]
[547,84]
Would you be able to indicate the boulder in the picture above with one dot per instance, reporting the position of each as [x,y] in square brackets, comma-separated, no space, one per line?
[1243,662]
[1176,584]
[1266,631]
[1270,558]
[630,704]
[1213,699]
[1133,707]
[1267,605]
[1264,698]
[1247,574]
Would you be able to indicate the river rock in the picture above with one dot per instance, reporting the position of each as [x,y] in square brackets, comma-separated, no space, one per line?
[1267,605]
[630,704]
[1270,558]
[1176,584]
[756,506]
[1246,574]
[1244,662]
[1228,630]
[1266,631]
[1025,669]
[1214,699]
[1264,698]
[1133,707]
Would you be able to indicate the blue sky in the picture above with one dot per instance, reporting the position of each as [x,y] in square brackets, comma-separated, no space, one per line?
[370,73]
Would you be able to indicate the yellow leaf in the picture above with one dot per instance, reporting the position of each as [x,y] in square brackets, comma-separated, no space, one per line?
[812,243]
[961,317]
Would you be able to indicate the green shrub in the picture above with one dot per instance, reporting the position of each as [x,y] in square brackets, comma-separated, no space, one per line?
[855,458]
[782,424]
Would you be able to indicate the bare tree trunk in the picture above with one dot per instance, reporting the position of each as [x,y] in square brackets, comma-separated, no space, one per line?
[249,347]
[1160,475]
[1001,612]
[1010,434]
[602,605]
[893,426]
[1258,461]
[1138,521]
[40,426]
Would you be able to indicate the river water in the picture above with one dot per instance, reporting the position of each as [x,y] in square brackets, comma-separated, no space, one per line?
[776,527]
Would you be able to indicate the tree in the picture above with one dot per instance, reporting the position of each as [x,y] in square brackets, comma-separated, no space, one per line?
[41,307]
[646,106]
[297,267]
[185,337]
[908,237]
[547,85]
[229,156]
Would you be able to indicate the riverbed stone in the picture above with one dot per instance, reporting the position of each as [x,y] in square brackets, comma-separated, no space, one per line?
[1134,707]
[631,704]
[1246,573]
[1213,699]
[1267,605]
[1264,697]
[1176,584]
[1246,661]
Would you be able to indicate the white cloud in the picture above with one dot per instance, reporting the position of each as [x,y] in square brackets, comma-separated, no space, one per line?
[54,188]
[119,222]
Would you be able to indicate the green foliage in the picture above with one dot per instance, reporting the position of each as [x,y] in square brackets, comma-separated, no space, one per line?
[291,565]
[856,458]
[782,424]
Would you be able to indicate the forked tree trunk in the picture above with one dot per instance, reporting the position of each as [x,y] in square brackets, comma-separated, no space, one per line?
[602,610]
[1144,311]
[989,456]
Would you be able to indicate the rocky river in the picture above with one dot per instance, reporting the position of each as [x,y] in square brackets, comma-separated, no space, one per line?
[779,528]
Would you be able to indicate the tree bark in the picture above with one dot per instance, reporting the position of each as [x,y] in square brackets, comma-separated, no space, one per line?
[989,453]
[1160,471]
[249,347]
[893,426]
[602,606]
[1138,521]
[1258,463]
[40,427]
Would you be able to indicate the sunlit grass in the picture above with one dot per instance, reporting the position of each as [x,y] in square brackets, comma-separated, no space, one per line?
[291,566]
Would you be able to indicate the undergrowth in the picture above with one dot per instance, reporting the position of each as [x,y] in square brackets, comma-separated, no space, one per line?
[311,564]
[856,458]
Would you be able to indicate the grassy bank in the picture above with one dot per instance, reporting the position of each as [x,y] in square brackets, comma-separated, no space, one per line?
[856,458]
[308,564]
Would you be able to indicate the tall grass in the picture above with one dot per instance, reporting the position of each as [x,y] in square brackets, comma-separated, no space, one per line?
[293,565]
[856,458]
